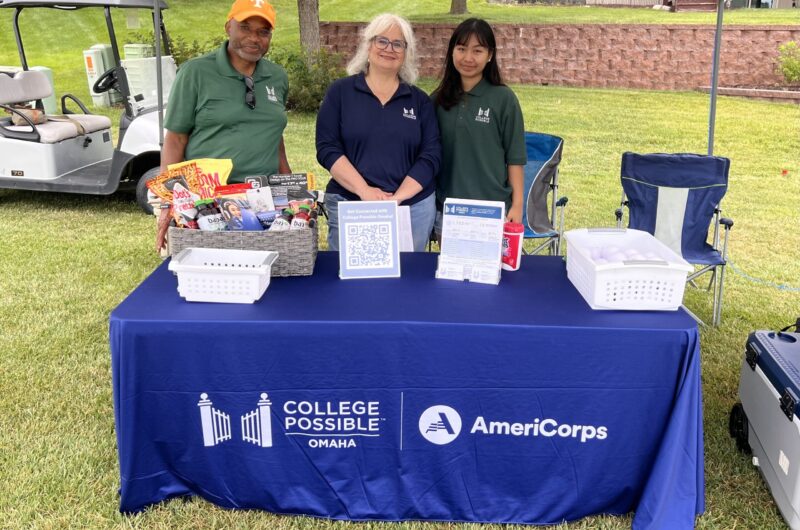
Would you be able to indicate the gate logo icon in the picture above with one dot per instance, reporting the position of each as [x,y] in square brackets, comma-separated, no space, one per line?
[440,424]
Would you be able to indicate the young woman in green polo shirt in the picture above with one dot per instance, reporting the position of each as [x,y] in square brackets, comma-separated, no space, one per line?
[480,121]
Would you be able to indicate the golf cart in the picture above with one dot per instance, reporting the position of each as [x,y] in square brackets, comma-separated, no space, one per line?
[75,153]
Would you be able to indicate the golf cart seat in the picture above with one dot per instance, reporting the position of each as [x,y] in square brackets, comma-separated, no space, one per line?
[29,86]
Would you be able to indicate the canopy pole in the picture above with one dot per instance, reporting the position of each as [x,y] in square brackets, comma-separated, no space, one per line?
[715,77]
[159,80]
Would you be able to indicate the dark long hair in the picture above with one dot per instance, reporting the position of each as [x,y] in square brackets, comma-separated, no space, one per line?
[449,91]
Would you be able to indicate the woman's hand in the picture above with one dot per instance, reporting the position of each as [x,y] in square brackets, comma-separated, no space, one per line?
[370,193]
[514,214]
[408,189]
[516,177]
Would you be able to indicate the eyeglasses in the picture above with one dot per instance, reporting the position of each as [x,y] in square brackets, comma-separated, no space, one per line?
[250,93]
[263,33]
[383,43]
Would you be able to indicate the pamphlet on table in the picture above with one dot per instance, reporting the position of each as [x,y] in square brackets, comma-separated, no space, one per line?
[472,241]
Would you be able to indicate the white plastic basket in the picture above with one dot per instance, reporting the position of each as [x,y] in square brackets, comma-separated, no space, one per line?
[222,275]
[650,275]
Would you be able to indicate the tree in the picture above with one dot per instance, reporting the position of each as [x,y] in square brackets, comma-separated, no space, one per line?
[308,12]
[457,7]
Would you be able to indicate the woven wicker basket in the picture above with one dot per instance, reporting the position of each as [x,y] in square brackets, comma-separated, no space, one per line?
[297,248]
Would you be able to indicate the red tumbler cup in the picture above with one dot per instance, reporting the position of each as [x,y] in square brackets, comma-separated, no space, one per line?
[512,245]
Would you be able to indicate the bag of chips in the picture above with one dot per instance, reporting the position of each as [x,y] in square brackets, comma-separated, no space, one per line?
[211,173]
[184,211]
[162,185]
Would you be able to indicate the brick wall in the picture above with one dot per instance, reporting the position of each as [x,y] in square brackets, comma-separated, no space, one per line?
[676,57]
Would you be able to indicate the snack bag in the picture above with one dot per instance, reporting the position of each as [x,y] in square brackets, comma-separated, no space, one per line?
[209,173]
[232,200]
[162,185]
[184,211]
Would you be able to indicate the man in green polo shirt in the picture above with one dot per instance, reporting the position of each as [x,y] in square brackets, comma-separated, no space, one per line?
[231,102]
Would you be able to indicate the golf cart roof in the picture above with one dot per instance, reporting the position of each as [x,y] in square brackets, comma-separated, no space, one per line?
[77,4]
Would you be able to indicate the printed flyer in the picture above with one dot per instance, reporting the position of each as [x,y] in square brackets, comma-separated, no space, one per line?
[472,241]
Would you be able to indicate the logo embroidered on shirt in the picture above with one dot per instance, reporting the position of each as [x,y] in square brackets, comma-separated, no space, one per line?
[409,113]
[483,115]
[271,94]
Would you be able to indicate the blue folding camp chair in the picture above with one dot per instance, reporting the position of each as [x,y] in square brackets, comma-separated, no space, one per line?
[541,181]
[675,197]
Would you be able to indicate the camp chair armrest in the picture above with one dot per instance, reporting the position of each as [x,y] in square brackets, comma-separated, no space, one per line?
[726,222]
[30,136]
[78,102]
[561,202]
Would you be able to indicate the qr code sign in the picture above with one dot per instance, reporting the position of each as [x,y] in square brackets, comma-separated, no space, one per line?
[369,245]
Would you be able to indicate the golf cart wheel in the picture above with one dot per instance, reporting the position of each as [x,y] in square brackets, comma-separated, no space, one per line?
[738,428]
[143,194]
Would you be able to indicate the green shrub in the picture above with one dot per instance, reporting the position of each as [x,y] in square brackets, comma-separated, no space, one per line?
[789,61]
[308,80]
[183,50]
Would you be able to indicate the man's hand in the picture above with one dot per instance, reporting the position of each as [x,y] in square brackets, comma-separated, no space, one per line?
[164,219]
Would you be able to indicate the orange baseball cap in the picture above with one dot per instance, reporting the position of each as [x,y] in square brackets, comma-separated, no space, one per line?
[241,10]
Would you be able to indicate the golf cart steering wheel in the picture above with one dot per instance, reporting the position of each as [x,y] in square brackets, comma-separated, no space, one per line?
[106,81]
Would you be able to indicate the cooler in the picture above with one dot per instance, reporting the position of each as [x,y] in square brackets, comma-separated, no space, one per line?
[769,388]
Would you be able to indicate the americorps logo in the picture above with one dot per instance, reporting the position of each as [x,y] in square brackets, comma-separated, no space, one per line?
[440,424]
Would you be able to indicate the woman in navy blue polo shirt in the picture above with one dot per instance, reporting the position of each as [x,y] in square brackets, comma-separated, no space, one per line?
[377,134]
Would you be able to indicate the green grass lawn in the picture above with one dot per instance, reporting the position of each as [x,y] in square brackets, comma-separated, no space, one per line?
[68,260]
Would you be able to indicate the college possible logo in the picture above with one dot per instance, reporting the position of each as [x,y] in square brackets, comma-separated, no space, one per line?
[440,424]
[409,113]
[271,94]
[336,424]
[216,425]
[483,115]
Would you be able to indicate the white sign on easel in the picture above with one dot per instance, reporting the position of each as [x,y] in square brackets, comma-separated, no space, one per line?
[368,240]
[472,241]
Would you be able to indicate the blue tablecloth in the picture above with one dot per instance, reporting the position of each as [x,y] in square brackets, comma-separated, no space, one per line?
[410,398]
